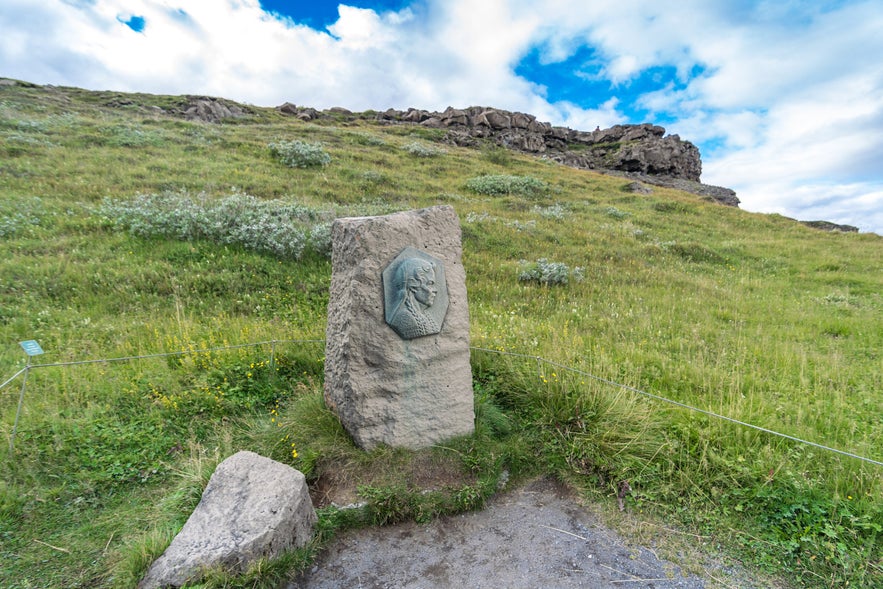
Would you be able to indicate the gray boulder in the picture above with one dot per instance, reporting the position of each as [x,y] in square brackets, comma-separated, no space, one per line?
[638,188]
[211,110]
[498,120]
[252,508]
[520,140]
[303,113]
[521,120]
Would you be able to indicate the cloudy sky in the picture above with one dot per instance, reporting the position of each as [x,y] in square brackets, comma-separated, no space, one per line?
[783,97]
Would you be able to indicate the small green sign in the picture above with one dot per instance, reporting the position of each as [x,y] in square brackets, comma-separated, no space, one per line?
[31,348]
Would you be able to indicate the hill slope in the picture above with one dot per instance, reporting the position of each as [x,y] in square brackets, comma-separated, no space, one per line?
[128,231]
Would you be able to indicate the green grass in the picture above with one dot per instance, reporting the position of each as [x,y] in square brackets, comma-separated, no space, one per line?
[755,317]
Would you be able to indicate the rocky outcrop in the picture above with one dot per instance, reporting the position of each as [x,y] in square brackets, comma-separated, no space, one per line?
[829,226]
[641,152]
[641,149]
[211,110]
[719,194]
[304,113]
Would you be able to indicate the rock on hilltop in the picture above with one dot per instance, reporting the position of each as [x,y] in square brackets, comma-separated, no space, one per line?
[643,149]
[642,152]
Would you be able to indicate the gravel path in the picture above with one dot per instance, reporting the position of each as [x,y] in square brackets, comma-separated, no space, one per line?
[535,536]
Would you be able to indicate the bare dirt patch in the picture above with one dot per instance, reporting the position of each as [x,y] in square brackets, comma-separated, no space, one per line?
[536,536]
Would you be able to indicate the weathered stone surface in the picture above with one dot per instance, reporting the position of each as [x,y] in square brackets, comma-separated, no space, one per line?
[385,389]
[522,141]
[211,110]
[416,116]
[719,194]
[252,507]
[498,120]
[638,188]
[829,226]
[308,114]
[521,120]
[303,113]
[640,149]
[454,117]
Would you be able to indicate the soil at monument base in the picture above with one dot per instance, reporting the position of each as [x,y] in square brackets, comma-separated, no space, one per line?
[535,536]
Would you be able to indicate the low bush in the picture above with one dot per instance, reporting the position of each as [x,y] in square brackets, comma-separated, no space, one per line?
[279,228]
[522,226]
[498,155]
[615,213]
[127,136]
[300,154]
[420,149]
[548,273]
[366,139]
[505,184]
[556,211]
[474,217]
[20,218]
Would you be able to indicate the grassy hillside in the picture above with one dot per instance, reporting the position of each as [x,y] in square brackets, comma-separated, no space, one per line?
[125,231]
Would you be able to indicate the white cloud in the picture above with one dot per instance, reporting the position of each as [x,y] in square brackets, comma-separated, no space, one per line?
[361,29]
[606,115]
[791,94]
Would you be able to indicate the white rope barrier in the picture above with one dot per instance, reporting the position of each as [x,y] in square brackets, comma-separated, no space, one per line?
[537,359]
[682,405]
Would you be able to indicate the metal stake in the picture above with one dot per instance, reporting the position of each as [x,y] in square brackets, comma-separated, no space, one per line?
[21,398]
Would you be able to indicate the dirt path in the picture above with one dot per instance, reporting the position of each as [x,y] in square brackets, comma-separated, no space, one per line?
[536,536]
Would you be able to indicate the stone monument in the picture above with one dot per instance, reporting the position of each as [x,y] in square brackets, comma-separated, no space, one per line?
[397,366]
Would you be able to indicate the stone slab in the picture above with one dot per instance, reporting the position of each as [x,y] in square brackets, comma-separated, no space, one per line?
[408,392]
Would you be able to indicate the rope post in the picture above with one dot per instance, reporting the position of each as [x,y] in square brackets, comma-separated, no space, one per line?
[31,348]
[21,398]
[273,357]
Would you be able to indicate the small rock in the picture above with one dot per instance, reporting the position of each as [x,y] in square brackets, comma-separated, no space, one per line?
[638,188]
[252,508]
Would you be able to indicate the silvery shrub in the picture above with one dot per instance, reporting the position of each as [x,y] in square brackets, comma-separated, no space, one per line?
[300,154]
[548,273]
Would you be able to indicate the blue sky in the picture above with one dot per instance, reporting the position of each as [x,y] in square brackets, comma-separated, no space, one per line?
[783,97]
[319,15]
